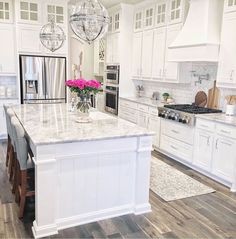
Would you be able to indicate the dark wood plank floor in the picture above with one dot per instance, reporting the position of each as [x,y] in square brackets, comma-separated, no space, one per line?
[207,216]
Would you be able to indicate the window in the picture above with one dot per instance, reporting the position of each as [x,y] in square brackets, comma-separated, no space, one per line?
[55,13]
[4,10]
[231,3]
[28,11]
[117,21]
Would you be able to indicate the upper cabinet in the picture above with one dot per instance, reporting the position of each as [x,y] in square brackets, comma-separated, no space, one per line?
[176,11]
[149,17]
[226,76]
[28,11]
[138,20]
[114,25]
[55,13]
[7,49]
[6,11]
[161,13]
[230,6]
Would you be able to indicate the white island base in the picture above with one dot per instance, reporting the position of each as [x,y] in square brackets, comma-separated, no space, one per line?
[83,182]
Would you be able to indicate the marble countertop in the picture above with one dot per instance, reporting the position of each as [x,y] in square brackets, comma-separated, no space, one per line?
[220,118]
[54,123]
[145,101]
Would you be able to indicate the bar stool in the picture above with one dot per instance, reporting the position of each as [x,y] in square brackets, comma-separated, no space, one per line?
[24,171]
[11,145]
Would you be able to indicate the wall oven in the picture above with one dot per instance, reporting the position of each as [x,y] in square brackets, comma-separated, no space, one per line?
[113,74]
[111,99]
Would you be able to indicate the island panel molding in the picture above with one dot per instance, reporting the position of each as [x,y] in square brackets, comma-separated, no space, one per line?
[82,181]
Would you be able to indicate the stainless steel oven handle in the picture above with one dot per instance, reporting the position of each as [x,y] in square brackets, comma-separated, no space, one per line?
[111,92]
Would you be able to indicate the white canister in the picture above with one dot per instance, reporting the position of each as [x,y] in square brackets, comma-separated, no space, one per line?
[230,109]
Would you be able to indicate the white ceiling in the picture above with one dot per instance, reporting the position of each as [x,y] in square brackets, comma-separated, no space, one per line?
[110,3]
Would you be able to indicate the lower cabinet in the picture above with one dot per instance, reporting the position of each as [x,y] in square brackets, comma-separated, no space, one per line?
[203,148]
[224,158]
[215,150]
[142,115]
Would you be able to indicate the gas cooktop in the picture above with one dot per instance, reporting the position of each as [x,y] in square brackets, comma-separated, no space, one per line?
[184,114]
[192,109]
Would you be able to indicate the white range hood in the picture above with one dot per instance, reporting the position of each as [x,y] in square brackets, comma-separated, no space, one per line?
[199,39]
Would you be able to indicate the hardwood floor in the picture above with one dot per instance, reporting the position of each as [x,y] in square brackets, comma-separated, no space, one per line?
[207,216]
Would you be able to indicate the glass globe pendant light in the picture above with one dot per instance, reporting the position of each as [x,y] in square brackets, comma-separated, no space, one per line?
[89,20]
[52,36]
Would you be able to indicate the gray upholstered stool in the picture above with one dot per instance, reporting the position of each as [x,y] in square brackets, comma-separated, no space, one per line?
[24,175]
[11,145]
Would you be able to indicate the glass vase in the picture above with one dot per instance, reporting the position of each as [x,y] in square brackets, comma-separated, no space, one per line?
[83,107]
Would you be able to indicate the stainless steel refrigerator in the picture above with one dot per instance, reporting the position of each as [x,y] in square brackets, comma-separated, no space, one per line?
[42,79]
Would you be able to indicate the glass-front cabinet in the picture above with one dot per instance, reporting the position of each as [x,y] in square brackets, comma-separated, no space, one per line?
[29,12]
[149,17]
[230,5]
[6,11]
[138,20]
[116,21]
[176,9]
[161,13]
[55,13]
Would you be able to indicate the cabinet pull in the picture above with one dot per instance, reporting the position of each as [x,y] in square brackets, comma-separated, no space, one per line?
[173,147]
[217,143]
[231,75]
[207,137]
[174,131]
[225,132]
[225,143]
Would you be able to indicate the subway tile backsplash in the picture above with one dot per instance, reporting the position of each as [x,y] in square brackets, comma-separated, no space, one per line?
[185,93]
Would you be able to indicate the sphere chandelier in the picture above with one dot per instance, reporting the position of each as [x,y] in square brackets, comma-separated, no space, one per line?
[89,20]
[52,36]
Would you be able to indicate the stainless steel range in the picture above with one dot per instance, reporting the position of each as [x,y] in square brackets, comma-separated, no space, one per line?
[184,114]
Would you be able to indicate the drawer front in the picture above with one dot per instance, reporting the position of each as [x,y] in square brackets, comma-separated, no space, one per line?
[143,108]
[153,111]
[205,125]
[176,148]
[226,131]
[128,104]
[177,131]
[128,114]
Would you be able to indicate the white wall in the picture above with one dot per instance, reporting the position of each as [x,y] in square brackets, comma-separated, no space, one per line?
[76,46]
[185,93]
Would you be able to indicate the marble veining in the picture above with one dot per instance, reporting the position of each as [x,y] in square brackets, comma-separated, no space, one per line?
[54,123]
[145,101]
[220,118]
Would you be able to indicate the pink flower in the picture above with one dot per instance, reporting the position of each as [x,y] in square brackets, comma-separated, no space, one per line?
[82,84]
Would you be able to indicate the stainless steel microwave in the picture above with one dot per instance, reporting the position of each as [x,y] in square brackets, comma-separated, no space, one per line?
[113,74]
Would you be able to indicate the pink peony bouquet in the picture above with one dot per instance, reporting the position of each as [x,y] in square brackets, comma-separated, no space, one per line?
[82,86]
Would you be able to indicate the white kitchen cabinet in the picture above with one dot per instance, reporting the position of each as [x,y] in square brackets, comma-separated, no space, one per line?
[176,11]
[137,55]
[99,55]
[147,51]
[138,20]
[161,13]
[203,149]
[224,158]
[227,59]
[6,11]
[230,6]
[117,16]
[28,39]
[158,57]
[112,48]
[149,14]
[7,49]
[142,119]
[170,72]
[154,125]
[56,10]
[28,11]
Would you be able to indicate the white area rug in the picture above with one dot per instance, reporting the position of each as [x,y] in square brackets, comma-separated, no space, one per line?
[171,184]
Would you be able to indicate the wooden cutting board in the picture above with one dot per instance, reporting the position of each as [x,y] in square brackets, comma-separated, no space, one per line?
[213,97]
[201,99]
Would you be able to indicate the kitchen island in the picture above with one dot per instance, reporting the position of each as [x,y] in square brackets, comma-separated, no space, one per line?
[85,172]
